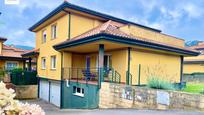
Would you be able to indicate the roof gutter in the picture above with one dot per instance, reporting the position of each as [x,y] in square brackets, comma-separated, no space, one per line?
[123,40]
[88,11]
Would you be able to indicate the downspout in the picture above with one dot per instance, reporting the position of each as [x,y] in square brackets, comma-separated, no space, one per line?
[69,26]
[61,83]
[69,23]
[181,70]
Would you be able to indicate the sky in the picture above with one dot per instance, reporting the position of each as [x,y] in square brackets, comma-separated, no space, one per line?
[180,18]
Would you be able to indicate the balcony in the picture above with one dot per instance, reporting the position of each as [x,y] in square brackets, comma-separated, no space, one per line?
[91,75]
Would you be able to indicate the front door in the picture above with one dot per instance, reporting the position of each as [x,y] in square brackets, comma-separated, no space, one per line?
[88,62]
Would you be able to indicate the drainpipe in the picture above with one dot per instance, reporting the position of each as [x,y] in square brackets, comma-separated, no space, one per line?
[61,83]
[69,23]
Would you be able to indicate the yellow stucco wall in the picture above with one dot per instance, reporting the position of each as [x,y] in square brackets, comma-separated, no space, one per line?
[119,61]
[79,25]
[154,65]
[193,68]
[144,33]
[1,46]
[3,63]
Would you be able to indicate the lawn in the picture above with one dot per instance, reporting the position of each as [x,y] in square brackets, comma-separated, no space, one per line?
[194,88]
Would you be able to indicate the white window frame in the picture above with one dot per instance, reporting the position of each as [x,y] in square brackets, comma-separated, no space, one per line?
[54,31]
[17,64]
[76,93]
[44,36]
[52,62]
[43,64]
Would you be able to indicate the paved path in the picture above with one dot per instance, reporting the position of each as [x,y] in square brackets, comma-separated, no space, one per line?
[52,110]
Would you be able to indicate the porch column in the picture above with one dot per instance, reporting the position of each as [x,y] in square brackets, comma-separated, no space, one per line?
[128,68]
[29,64]
[101,62]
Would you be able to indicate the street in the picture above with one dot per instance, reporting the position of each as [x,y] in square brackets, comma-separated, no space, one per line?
[52,110]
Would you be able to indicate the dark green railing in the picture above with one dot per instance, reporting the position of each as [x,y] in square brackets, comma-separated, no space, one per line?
[128,78]
[24,78]
[116,77]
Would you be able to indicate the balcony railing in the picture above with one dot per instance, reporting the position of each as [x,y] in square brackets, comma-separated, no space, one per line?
[90,75]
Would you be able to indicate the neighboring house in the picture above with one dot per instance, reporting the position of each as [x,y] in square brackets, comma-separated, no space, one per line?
[195,64]
[32,56]
[10,57]
[80,48]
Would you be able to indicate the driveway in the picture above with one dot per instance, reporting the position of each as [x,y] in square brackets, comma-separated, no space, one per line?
[52,110]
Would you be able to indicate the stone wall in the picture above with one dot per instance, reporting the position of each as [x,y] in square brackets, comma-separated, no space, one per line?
[26,91]
[122,96]
[193,78]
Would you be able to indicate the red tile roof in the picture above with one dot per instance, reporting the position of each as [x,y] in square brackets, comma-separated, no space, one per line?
[9,51]
[201,46]
[31,52]
[112,28]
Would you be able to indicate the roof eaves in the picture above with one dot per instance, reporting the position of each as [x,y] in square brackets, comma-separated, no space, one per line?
[85,10]
[130,41]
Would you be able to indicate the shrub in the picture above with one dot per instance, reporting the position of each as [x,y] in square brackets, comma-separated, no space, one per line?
[10,106]
[17,70]
[156,83]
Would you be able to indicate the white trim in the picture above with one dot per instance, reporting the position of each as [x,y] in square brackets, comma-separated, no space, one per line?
[52,31]
[43,66]
[52,63]
[80,94]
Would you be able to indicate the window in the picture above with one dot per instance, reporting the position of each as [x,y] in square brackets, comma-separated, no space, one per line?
[54,31]
[78,91]
[44,36]
[53,62]
[11,65]
[43,63]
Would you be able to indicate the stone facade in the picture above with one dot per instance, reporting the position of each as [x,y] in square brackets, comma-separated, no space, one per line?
[26,91]
[123,96]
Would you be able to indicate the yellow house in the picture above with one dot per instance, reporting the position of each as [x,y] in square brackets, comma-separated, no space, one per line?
[10,57]
[195,64]
[80,48]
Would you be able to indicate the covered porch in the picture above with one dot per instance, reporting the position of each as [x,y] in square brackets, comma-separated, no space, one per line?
[96,62]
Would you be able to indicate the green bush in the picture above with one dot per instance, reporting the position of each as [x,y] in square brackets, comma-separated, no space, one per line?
[156,83]
[17,70]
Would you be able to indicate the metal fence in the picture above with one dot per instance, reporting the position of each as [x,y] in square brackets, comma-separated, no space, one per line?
[24,78]
[91,75]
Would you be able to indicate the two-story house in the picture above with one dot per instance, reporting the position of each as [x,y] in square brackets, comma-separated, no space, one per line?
[79,48]
[10,57]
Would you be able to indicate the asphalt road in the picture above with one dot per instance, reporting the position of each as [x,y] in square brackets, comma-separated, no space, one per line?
[52,110]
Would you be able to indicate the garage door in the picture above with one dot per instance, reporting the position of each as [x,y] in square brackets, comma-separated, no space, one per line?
[55,93]
[44,90]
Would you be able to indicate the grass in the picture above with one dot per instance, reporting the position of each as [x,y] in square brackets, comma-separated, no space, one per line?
[194,88]
[157,83]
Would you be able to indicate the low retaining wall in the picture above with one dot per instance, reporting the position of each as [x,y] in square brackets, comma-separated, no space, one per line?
[122,96]
[193,78]
[26,91]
